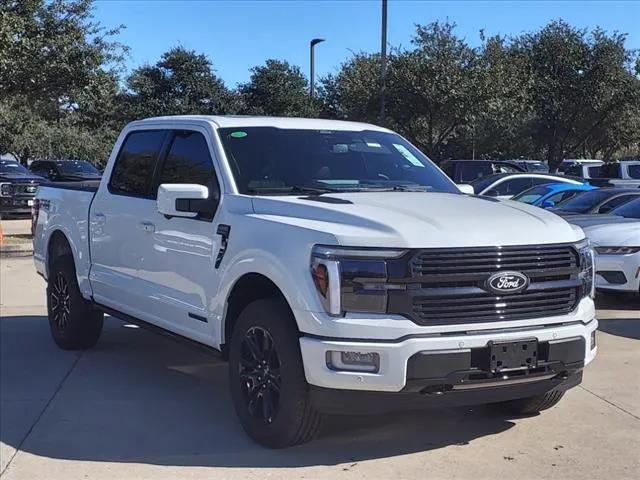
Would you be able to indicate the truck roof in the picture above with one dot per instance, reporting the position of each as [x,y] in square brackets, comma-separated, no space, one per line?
[232,121]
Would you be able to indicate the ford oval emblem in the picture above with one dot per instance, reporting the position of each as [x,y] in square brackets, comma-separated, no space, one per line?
[507,282]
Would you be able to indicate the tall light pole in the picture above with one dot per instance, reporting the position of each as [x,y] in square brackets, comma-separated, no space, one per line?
[383,60]
[312,65]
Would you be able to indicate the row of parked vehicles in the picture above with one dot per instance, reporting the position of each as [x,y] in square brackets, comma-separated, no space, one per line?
[19,184]
[334,266]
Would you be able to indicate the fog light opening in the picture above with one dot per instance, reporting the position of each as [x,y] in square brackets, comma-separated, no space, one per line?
[354,361]
[593,340]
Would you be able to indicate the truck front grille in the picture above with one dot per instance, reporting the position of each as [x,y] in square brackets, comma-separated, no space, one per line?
[449,285]
[486,307]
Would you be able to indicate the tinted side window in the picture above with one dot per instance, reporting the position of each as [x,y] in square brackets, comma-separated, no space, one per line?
[634,171]
[188,161]
[133,171]
[614,202]
[513,186]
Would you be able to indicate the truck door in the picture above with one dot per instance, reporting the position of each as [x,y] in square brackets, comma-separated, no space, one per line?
[179,269]
[121,224]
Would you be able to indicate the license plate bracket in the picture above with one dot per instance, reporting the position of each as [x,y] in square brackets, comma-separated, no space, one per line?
[513,355]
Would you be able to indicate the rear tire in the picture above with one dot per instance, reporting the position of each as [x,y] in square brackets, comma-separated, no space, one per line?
[268,387]
[530,405]
[74,322]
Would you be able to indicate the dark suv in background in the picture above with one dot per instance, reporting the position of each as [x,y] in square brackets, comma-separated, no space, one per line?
[18,187]
[65,170]
[465,171]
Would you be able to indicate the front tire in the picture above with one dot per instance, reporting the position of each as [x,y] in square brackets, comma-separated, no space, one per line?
[75,324]
[268,387]
[530,405]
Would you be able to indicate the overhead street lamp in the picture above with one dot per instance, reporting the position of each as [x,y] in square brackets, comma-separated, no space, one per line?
[312,44]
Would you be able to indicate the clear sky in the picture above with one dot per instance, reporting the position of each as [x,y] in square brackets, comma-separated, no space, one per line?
[237,35]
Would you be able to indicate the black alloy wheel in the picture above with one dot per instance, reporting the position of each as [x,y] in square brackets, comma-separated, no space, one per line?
[259,370]
[60,301]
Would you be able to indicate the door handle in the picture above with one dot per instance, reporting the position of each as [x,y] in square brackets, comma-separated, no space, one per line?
[147,227]
[100,217]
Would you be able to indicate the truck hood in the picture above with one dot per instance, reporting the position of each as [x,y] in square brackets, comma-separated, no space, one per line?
[9,177]
[418,219]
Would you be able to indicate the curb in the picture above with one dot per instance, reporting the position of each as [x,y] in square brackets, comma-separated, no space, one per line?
[16,250]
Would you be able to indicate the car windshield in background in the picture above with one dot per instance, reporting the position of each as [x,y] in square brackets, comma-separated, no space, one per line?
[71,166]
[13,168]
[584,202]
[628,210]
[532,195]
[268,160]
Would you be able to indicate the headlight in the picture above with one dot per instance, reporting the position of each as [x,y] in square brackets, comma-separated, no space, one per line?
[617,250]
[352,279]
[585,258]
[5,189]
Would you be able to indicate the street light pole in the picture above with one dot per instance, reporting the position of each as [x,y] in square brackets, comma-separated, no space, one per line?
[383,60]
[312,74]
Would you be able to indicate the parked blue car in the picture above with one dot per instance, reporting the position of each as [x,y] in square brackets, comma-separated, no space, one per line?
[551,194]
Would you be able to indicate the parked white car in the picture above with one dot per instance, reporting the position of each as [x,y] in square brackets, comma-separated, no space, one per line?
[507,185]
[617,258]
[332,263]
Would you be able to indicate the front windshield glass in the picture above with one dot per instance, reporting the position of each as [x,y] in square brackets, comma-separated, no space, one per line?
[13,168]
[532,195]
[280,161]
[583,202]
[71,166]
[628,210]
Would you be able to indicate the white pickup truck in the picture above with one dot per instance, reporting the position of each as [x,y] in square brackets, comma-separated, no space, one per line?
[332,263]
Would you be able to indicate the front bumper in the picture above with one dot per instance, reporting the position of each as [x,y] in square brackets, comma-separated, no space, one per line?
[16,206]
[618,272]
[394,373]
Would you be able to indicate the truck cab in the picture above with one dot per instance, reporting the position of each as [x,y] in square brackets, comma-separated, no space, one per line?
[335,267]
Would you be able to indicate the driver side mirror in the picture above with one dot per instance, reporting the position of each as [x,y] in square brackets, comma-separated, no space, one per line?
[185,200]
[492,193]
[548,204]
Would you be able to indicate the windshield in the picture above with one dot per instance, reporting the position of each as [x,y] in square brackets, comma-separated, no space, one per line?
[72,166]
[12,168]
[281,161]
[628,210]
[532,195]
[583,202]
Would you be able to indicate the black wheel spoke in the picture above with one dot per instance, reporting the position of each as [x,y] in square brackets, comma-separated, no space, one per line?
[259,372]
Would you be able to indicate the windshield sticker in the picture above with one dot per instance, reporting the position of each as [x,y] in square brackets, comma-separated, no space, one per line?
[408,155]
[238,134]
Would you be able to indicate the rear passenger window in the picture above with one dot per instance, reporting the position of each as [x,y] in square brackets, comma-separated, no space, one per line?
[133,171]
[189,161]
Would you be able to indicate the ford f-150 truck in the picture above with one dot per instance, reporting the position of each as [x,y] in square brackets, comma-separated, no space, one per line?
[333,265]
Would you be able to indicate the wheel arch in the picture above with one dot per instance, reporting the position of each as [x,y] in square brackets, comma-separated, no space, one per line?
[247,288]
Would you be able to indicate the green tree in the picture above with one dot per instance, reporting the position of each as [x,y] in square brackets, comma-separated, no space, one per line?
[54,56]
[182,82]
[277,88]
[579,83]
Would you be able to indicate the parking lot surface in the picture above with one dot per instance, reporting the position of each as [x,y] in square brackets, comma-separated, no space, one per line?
[140,405]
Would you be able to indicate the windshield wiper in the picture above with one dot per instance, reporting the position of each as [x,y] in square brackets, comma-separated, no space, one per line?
[295,189]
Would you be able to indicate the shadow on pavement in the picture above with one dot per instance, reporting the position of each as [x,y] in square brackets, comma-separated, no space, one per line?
[622,327]
[618,301]
[139,397]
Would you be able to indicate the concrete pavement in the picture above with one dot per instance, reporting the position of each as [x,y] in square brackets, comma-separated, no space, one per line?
[140,405]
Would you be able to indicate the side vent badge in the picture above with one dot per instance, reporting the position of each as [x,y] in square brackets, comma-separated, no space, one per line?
[223,231]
